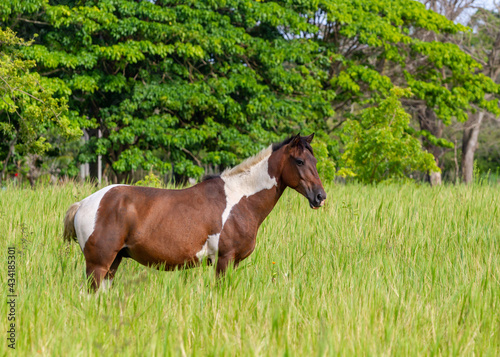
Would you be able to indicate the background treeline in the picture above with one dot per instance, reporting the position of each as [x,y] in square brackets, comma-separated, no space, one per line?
[394,90]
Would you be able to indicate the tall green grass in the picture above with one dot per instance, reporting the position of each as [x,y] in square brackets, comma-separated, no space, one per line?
[388,270]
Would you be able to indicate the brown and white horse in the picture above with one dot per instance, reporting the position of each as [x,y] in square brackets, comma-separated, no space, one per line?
[216,219]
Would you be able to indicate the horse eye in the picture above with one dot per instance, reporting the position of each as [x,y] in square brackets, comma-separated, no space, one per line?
[299,162]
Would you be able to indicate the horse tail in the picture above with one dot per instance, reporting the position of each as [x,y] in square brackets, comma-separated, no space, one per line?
[69,222]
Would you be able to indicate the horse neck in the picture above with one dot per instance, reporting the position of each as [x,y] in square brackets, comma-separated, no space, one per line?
[260,187]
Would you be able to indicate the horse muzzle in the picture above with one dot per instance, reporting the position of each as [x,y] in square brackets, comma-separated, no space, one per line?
[317,198]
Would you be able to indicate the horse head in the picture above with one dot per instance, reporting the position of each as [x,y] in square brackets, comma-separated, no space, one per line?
[299,169]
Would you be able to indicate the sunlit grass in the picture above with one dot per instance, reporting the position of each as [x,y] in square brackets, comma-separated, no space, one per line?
[388,270]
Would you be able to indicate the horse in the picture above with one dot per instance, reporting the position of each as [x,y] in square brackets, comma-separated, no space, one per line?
[215,220]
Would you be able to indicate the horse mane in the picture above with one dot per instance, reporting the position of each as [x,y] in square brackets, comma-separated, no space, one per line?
[209,177]
[254,160]
[248,163]
[277,146]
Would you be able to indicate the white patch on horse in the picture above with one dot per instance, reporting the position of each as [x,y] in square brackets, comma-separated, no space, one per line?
[244,180]
[248,182]
[86,215]
[210,248]
[105,285]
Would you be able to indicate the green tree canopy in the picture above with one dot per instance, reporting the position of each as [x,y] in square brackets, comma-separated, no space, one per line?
[371,46]
[194,83]
[376,44]
[29,104]
[189,84]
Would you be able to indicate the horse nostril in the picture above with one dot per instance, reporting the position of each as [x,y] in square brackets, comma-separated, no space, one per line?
[319,197]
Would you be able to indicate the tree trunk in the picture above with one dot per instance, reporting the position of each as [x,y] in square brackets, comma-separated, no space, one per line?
[429,121]
[123,177]
[435,178]
[12,144]
[469,145]
[33,168]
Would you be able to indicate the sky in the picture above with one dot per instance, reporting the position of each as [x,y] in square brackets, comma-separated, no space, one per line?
[487,4]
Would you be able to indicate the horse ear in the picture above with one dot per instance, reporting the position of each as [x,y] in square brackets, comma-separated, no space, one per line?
[309,138]
[295,141]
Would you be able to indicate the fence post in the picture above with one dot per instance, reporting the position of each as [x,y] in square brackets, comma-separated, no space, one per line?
[84,168]
[99,161]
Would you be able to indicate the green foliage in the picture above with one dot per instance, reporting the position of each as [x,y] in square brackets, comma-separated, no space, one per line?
[325,165]
[370,46]
[29,103]
[487,156]
[378,146]
[150,180]
[482,41]
[174,87]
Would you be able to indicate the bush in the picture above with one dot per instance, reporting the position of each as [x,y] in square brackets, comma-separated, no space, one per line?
[379,145]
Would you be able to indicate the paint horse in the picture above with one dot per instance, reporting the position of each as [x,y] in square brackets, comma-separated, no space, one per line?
[217,219]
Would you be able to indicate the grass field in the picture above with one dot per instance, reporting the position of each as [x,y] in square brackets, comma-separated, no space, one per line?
[388,270]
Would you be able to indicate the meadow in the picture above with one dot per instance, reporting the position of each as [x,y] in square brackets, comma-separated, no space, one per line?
[387,270]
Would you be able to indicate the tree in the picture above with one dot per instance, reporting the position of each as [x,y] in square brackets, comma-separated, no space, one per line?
[29,104]
[374,45]
[484,45]
[176,85]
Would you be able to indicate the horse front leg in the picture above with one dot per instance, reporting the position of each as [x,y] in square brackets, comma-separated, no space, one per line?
[223,262]
[234,255]
[96,274]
